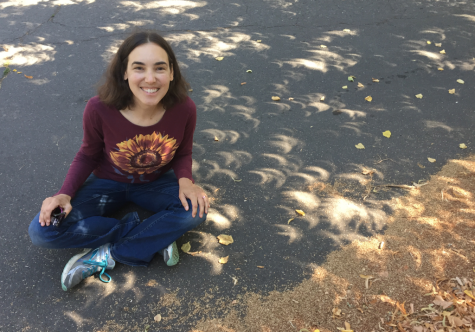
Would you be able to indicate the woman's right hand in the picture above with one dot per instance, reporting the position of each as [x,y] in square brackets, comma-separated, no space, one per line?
[52,203]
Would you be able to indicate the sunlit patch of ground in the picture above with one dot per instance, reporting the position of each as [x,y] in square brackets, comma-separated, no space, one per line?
[430,236]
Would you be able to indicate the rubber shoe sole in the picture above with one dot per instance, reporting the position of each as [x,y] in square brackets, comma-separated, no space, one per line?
[171,255]
[68,266]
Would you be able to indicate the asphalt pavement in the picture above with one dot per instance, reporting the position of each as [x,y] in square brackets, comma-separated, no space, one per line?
[260,159]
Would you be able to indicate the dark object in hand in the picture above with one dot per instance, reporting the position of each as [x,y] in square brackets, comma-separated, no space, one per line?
[57,216]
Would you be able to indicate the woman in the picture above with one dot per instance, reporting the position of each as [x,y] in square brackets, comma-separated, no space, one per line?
[138,137]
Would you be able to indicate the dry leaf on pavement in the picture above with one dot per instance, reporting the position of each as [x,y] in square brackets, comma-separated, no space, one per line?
[462,146]
[346,30]
[438,44]
[336,312]
[420,165]
[186,247]
[460,81]
[442,52]
[288,221]
[219,58]
[248,71]
[351,78]
[322,99]
[441,69]
[216,138]
[300,213]
[375,80]
[157,318]
[452,91]
[275,98]
[359,146]
[432,160]
[429,42]
[441,302]
[344,87]
[369,98]
[223,260]
[259,41]
[225,239]
[260,266]
[419,96]
[323,46]
[387,133]
[28,77]
[360,85]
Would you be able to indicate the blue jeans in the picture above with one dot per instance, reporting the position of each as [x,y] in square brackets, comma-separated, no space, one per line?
[132,242]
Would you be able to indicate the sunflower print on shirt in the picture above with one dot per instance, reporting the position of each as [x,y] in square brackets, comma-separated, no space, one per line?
[144,154]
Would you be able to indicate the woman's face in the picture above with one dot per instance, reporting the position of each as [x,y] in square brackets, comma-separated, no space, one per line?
[148,74]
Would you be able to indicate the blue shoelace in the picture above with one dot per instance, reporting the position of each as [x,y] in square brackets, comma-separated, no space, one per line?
[102,264]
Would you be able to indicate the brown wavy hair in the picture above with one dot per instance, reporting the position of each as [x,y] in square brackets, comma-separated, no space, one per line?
[115,91]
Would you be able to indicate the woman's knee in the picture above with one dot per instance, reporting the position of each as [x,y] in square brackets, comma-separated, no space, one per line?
[39,234]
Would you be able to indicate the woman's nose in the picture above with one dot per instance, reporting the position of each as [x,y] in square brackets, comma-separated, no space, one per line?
[149,77]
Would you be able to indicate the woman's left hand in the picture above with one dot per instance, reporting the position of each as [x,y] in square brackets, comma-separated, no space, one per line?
[195,194]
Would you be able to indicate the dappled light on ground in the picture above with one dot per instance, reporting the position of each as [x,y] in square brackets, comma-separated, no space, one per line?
[428,240]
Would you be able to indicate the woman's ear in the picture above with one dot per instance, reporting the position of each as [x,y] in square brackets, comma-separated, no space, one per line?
[125,76]
[171,73]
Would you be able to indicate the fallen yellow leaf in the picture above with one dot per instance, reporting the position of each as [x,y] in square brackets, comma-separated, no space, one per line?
[216,138]
[323,46]
[157,318]
[260,266]
[387,133]
[300,213]
[442,52]
[291,98]
[344,87]
[18,72]
[420,165]
[460,81]
[347,30]
[419,96]
[322,99]
[441,69]
[275,98]
[369,98]
[225,239]
[359,146]
[14,69]
[469,293]
[360,85]
[243,83]
[191,90]
[219,58]
[438,44]
[365,277]
[347,326]
[288,222]
[186,247]
[375,80]
[259,41]
[452,91]
[462,146]
[223,260]
[429,42]
[432,160]
[28,77]
[248,71]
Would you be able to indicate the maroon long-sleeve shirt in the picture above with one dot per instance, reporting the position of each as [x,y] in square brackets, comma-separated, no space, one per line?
[114,148]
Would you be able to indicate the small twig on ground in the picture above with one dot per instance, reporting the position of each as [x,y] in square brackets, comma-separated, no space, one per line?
[381,160]
[404,186]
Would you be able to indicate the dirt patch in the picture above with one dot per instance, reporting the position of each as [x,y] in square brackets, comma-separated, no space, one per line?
[428,243]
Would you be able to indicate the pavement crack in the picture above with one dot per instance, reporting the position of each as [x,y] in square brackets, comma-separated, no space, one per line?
[30,32]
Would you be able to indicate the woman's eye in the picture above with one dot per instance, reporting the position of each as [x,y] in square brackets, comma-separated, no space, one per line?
[138,68]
